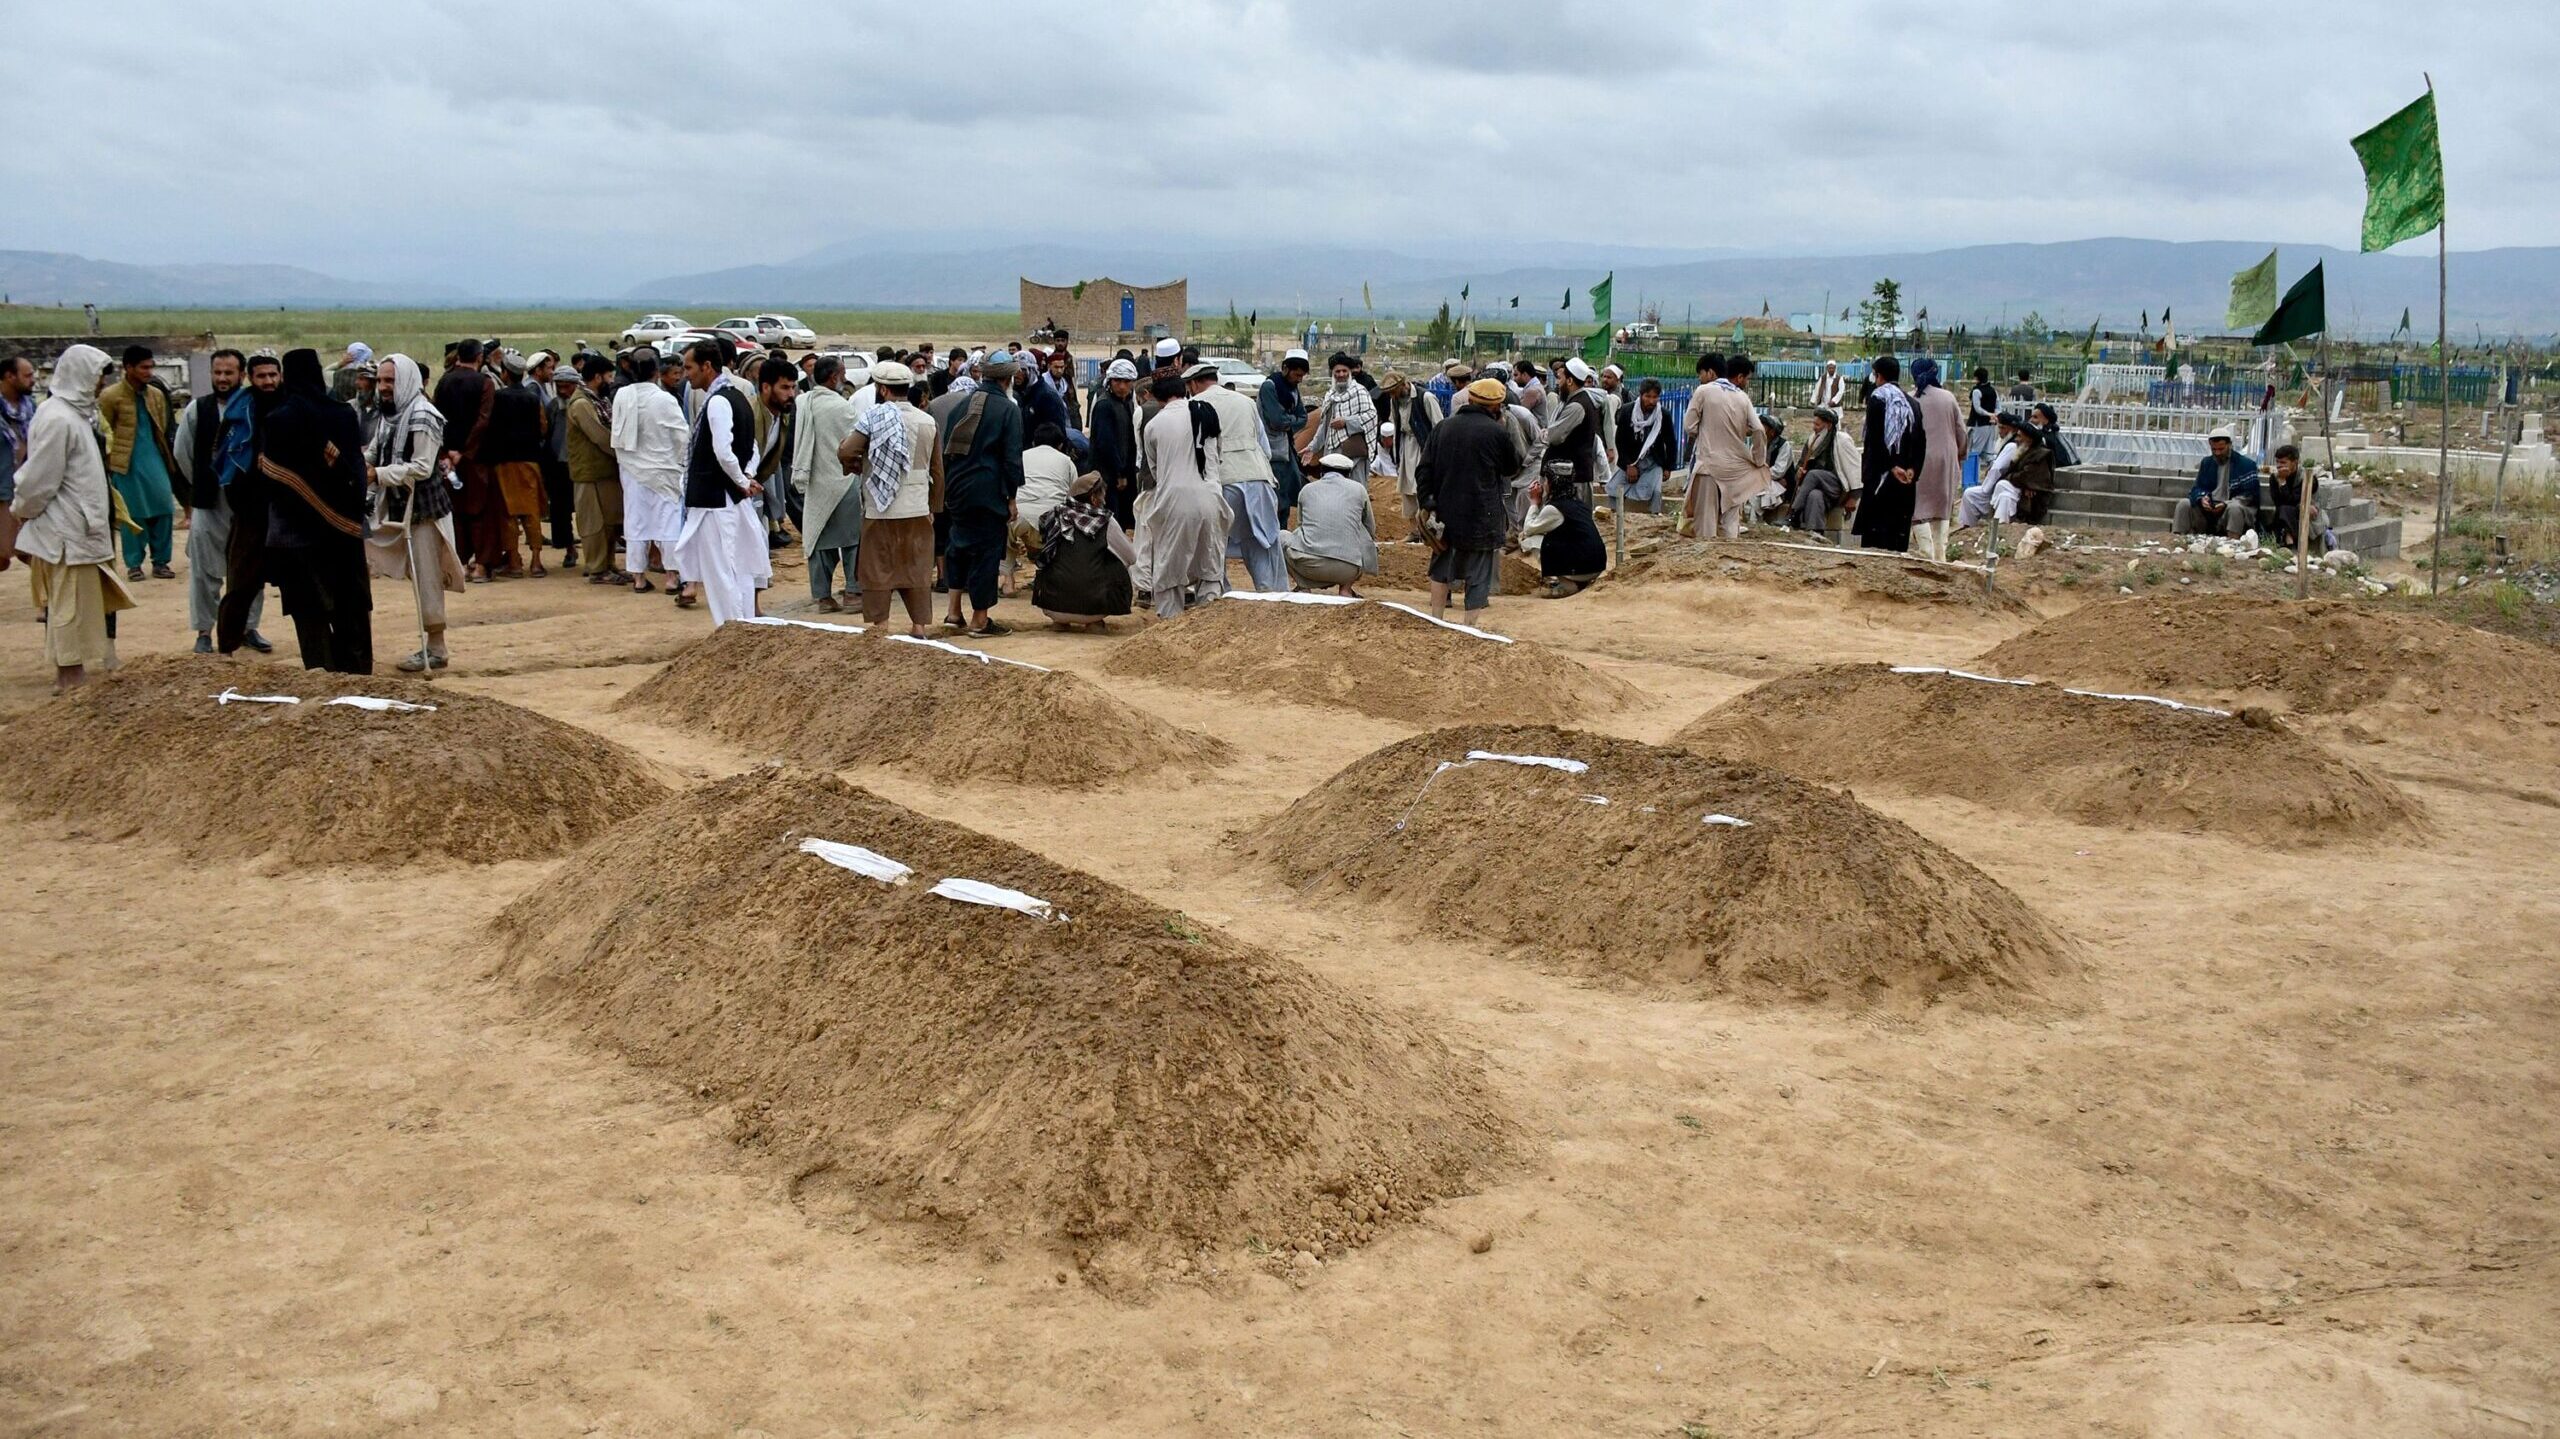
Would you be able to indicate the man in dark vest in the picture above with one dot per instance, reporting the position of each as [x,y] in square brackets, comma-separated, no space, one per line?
[722,548]
[244,560]
[1572,554]
[216,446]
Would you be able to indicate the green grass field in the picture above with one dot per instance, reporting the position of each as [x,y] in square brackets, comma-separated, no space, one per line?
[424,333]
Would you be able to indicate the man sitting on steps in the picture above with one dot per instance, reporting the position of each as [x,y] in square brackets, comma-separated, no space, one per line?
[2284,496]
[2224,499]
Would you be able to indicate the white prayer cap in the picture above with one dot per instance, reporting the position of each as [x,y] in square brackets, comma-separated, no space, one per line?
[890,372]
[1299,356]
[1121,370]
[1202,371]
[1338,463]
[1613,370]
[1386,431]
[1578,369]
[1168,348]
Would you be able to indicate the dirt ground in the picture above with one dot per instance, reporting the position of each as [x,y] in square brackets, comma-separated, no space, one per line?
[280,1154]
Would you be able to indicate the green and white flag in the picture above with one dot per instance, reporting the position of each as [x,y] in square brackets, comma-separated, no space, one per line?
[2403,175]
[2253,295]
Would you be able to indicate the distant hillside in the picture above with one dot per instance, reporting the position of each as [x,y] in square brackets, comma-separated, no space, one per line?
[45,277]
[1317,277]
[2069,283]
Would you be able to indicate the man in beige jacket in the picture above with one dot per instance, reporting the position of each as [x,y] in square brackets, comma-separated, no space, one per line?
[1731,463]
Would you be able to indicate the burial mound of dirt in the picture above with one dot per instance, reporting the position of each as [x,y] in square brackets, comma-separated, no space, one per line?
[2096,760]
[1119,1083]
[1367,656]
[2321,657]
[148,751]
[1408,567]
[1803,565]
[829,699]
[1812,895]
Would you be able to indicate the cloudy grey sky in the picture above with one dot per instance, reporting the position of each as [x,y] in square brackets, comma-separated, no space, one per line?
[579,148]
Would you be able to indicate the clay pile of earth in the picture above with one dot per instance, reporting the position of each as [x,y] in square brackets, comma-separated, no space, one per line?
[832,699]
[1801,565]
[1104,1077]
[1374,657]
[1662,868]
[151,752]
[2330,660]
[2103,760]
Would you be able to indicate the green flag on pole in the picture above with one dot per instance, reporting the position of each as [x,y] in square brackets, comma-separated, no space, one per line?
[2403,175]
[1364,296]
[2305,312]
[2253,295]
[1601,294]
[1595,346]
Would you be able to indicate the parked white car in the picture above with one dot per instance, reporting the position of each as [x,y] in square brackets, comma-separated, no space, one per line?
[777,331]
[650,329]
[784,330]
[1238,375]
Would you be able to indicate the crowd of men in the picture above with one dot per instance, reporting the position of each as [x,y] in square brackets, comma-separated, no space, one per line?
[905,473]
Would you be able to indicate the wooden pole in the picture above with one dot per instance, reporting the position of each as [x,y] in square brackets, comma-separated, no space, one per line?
[2506,447]
[1618,511]
[2302,531]
[2444,378]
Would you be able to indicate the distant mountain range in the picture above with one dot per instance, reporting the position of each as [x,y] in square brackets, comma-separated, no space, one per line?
[2070,283]
[46,277]
[2116,281]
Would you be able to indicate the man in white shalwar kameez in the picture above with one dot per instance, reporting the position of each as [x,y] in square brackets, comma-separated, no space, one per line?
[649,432]
[1183,532]
[723,545]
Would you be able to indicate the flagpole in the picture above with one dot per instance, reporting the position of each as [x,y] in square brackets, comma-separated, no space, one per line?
[2310,491]
[2444,414]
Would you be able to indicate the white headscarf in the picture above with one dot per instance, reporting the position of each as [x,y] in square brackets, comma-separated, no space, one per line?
[1897,413]
[75,378]
[407,382]
[409,412]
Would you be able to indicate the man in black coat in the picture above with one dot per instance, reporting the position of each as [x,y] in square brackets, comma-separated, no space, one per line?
[1893,449]
[1115,441]
[311,450]
[1462,484]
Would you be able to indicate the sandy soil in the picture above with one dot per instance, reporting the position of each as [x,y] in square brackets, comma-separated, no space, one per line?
[278,1155]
